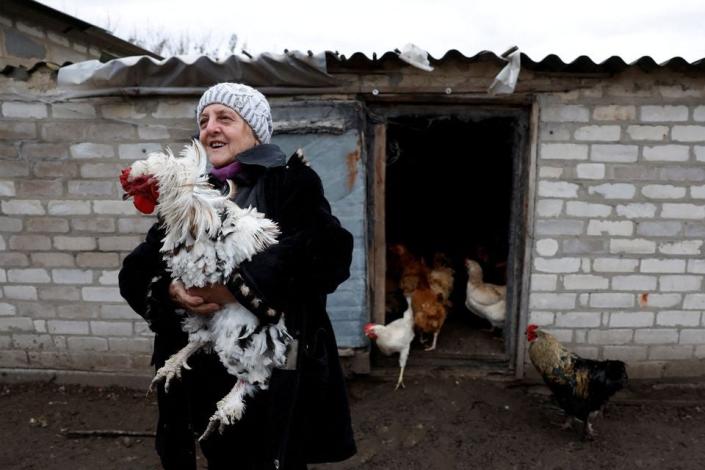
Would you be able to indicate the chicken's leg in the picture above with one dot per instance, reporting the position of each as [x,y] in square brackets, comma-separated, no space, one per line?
[400,381]
[433,345]
[229,409]
[172,367]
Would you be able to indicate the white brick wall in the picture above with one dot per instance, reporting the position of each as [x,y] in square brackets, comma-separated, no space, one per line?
[628,178]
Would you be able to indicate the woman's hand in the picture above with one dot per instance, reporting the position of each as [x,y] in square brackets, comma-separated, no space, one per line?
[214,293]
[192,301]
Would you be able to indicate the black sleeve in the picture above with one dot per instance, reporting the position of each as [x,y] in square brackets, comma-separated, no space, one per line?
[144,284]
[313,253]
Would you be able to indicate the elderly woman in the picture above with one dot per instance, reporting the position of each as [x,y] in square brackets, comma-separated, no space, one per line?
[303,417]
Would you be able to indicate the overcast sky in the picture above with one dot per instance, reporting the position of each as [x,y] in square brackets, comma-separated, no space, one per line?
[597,28]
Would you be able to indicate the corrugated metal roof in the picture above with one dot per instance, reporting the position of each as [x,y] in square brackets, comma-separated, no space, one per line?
[550,63]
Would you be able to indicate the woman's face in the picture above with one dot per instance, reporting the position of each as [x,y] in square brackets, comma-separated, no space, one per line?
[224,134]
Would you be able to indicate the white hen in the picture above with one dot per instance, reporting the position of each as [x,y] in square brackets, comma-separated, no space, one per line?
[207,237]
[485,300]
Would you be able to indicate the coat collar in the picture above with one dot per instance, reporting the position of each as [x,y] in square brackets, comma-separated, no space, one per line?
[264,155]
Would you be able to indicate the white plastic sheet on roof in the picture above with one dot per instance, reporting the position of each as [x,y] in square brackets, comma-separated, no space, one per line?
[290,69]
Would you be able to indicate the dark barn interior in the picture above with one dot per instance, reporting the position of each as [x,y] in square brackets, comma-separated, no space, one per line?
[449,190]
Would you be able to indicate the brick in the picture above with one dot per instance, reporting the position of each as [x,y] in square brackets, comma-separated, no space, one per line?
[24,110]
[69,207]
[40,326]
[559,227]
[565,113]
[121,243]
[72,111]
[614,191]
[598,133]
[20,292]
[664,113]
[117,312]
[153,132]
[656,336]
[176,109]
[632,246]
[101,294]
[143,345]
[697,192]
[631,319]
[667,153]
[614,153]
[68,327]
[682,173]
[74,243]
[634,282]
[7,310]
[593,171]
[696,266]
[614,113]
[659,229]
[694,230]
[10,224]
[699,113]
[71,276]
[633,173]
[31,189]
[111,328]
[699,152]
[12,324]
[559,189]
[611,300]
[28,276]
[109,277]
[684,283]
[586,209]
[13,259]
[670,353]
[101,170]
[546,247]
[683,211]
[612,336]
[664,300]
[97,260]
[36,310]
[36,151]
[620,265]
[543,282]
[563,152]
[578,320]
[22,207]
[541,318]
[81,132]
[550,301]
[51,260]
[120,111]
[678,318]
[694,302]
[51,169]
[137,151]
[550,172]
[90,150]
[687,247]
[662,266]
[114,207]
[610,227]
[584,246]
[47,224]
[585,282]
[7,189]
[32,341]
[688,133]
[557,265]
[91,188]
[656,133]
[59,293]
[135,225]
[79,343]
[549,207]
[80,311]
[625,353]
[14,131]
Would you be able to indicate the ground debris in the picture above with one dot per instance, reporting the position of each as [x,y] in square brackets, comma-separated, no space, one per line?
[83,433]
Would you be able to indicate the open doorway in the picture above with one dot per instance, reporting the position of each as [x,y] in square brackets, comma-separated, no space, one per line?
[453,191]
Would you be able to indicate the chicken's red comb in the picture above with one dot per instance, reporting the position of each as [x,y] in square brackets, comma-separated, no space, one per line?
[368,328]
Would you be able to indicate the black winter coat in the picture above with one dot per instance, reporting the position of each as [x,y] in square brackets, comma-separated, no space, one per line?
[304,416]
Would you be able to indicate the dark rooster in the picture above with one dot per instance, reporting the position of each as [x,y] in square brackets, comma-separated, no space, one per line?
[581,386]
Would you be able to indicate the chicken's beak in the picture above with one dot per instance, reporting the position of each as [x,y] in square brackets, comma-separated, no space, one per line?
[369,331]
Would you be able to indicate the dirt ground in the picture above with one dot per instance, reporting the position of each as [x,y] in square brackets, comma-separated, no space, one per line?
[440,421]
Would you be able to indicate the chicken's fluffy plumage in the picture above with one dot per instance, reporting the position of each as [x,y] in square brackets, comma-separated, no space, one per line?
[581,386]
[207,237]
[483,299]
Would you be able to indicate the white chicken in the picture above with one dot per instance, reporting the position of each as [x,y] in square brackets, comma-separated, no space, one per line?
[485,300]
[207,237]
[395,337]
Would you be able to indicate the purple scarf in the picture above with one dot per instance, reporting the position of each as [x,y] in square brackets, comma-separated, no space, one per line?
[226,172]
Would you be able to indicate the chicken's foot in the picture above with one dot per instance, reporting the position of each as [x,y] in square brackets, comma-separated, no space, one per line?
[433,345]
[173,366]
[228,410]
[400,381]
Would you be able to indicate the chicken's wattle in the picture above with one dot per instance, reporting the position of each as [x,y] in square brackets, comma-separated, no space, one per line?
[143,189]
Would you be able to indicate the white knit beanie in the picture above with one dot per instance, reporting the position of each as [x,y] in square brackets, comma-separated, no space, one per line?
[249,103]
